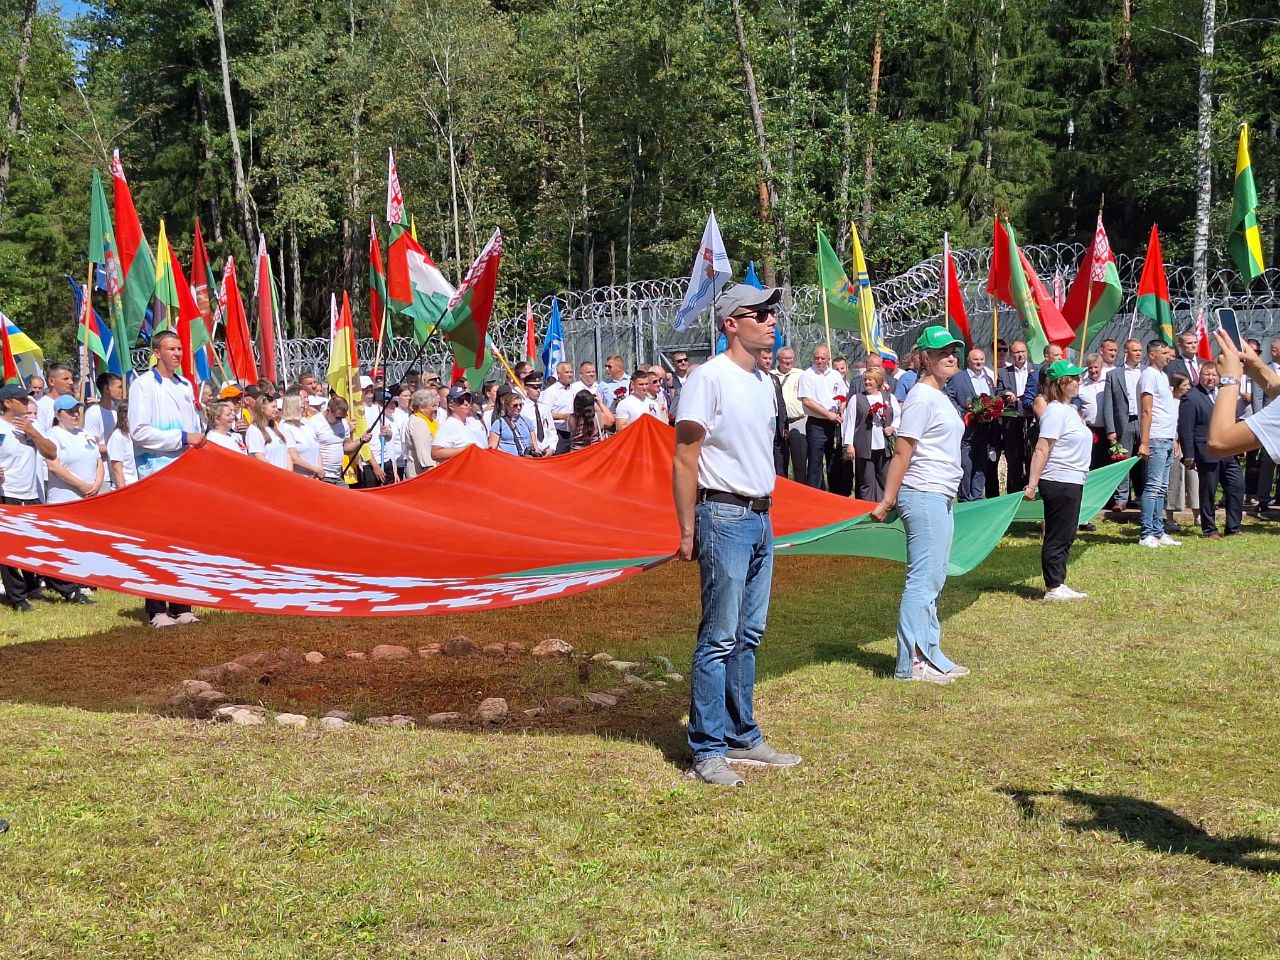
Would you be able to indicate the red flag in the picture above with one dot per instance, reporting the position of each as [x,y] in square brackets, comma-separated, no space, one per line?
[11,374]
[265,290]
[1000,277]
[530,336]
[202,277]
[188,311]
[1203,350]
[1056,329]
[239,341]
[377,285]
[952,296]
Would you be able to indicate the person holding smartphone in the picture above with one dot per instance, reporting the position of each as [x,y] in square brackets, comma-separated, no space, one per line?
[1228,436]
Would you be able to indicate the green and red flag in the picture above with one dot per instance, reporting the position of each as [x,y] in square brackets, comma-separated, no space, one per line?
[137,266]
[264,291]
[236,331]
[467,325]
[954,313]
[1246,241]
[102,251]
[87,332]
[415,285]
[1153,291]
[840,298]
[1013,280]
[378,314]
[530,334]
[1000,276]
[204,281]
[188,323]
[1095,294]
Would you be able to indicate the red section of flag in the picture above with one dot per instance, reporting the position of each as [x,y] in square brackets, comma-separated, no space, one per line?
[377,307]
[1090,281]
[201,271]
[1203,350]
[128,227]
[953,297]
[530,336]
[1056,329]
[266,312]
[1153,281]
[239,341]
[188,311]
[11,374]
[1000,277]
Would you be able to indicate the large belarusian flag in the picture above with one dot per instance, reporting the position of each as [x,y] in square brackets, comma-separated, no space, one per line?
[204,281]
[467,325]
[137,266]
[186,320]
[1095,294]
[1246,242]
[954,314]
[415,286]
[839,306]
[1153,291]
[1013,281]
[102,250]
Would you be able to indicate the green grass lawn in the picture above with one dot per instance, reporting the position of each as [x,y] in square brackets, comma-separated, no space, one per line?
[1105,784]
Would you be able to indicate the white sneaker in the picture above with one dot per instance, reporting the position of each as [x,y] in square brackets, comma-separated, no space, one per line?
[1168,541]
[1062,592]
[1149,541]
[163,620]
[1074,594]
[185,618]
[927,674]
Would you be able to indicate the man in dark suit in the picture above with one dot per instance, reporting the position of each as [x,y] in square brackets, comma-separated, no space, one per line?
[976,444]
[781,449]
[1120,416]
[1194,415]
[1012,381]
[1186,362]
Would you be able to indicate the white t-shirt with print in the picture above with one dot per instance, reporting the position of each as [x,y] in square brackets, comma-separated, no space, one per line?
[632,408]
[1164,409]
[302,439]
[823,388]
[1072,450]
[19,456]
[929,418]
[736,409]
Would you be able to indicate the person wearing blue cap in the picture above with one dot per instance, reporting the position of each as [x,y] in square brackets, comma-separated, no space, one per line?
[923,479]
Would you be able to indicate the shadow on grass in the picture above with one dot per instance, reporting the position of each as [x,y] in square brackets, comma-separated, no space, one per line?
[1155,827]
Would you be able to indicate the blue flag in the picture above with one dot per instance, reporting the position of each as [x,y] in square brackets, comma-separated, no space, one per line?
[553,343]
[751,280]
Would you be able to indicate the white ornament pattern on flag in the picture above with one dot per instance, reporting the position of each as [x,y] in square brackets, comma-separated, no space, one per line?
[395,196]
[1101,254]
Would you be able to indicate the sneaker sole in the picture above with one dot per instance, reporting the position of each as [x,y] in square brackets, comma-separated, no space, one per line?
[733,761]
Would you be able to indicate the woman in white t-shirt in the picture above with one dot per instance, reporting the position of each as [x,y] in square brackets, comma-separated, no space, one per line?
[78,471]
[1059,466]
[924,476]
[220,416]
[264,439]
[304,452]
[124,470]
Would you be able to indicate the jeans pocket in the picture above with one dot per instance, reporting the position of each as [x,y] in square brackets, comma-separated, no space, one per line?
[726,512]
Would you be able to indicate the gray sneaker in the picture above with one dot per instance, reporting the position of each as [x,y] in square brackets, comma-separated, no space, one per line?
[927,674]
[716,770]
[762,755]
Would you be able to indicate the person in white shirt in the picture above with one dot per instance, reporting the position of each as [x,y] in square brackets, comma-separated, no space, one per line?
[332,434]
[818,390]
[793,458]
[221,416]
[559,397]
[61,384]
[1158,431]
[1093,385]
[870,423]
[586,379]
[923,479]
[1265,486]
[1108,350]
[1059,466]
[21,446]
[461,429]
[120,462]
[100,417]
[398,417]
[264,440]
[658,391]
[722,483]
[304,452]
[77,472]
[636,405]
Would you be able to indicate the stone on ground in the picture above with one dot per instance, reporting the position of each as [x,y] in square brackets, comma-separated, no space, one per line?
[333,723]
[340,715]
[428,650]
[491,710]
[623,666]
[291,720]
[600,699]
[446,716]
[602,658]
[565,704]
[460,647]
[389,651]
[195,687]
[515,646]
[673,677]
[494,649]
[314,657]
[354,655]
[210,695]
[552,647]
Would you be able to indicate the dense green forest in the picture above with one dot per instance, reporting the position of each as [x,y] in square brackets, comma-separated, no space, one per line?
[597,133]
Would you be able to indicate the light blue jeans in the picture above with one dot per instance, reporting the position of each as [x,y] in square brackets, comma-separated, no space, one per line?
[930,526]
[735,555]
[1159,463]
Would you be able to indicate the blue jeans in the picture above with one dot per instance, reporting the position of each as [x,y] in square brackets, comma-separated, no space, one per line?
[930,526]
[1159,463]
[735,556]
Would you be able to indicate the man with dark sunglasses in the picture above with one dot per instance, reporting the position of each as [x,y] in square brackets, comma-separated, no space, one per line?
[723,481]
[460,429]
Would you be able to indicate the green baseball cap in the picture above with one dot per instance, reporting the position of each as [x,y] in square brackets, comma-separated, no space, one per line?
[937,338]
[1062,368]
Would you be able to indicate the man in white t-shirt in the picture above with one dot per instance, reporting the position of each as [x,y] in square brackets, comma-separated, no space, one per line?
[819,390]
[333,435]
[1158,418]
[723,480]
[22,447]
[460,430]
[559,397]
[638,403]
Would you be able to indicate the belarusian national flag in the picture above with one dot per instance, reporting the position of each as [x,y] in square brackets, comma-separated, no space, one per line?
[1000,276]
[1096,290]
[415,286]
[264,290]
[467,325]
[1153,291]
[530,335]
[377,288]
[137,267]
[238,340]
[840,297]
[203,281]
[1203,350]
[1013,280]
[102,250]
[1246,242]
[395,196]
[954,313]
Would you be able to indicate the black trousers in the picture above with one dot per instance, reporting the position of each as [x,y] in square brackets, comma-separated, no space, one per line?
[1016,453]
[821,436]
[562,441]
[1061,518]
[974,462]
[798,449]
[870,474]
[160,606]
[1227,472]
[20,585]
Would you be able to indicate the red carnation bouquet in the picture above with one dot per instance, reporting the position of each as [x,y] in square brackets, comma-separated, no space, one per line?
[1118,452]
[880,413]
[984,409]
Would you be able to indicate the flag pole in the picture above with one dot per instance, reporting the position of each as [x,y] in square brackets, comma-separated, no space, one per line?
[946,278]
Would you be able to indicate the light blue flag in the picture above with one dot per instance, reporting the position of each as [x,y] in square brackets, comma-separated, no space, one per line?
[751,280]
[553,343]
[710,271]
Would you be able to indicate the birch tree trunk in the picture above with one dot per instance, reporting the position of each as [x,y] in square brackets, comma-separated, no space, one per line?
[295,281]
[215,207]
[15,101]
[770,193]
[237,159]
[1204,157]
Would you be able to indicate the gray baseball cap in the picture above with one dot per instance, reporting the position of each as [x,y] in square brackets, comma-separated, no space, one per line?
[744,296]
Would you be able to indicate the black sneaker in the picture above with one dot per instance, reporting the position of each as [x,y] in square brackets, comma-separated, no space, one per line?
[76,596]
[22,606]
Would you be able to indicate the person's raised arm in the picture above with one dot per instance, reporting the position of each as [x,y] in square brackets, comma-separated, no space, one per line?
[44,445]
[1227,436]
[684,481]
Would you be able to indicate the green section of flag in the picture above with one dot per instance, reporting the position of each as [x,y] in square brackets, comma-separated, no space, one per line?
[1023,301]
[1160,312]
[1245,244]
[1105,304]
[469,354]
[840,297]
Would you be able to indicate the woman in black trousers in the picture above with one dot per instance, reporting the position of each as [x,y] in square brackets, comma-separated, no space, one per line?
[1059,465]
[869,422]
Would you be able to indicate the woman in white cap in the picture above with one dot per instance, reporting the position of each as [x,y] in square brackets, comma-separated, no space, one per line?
[1059,466]
[78,472]
[923,479]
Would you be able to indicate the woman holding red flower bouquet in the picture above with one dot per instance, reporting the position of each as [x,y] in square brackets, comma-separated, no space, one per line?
[870,420]
[1059,466]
